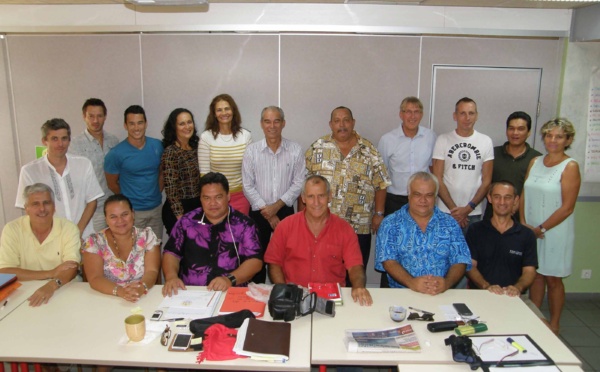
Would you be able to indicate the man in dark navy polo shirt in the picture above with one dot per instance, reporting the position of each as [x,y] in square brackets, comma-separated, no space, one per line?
[503,252]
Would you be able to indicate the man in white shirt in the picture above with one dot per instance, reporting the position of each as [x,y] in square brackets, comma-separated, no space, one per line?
[463,161]
[70,177]
[273,172]
[94,143]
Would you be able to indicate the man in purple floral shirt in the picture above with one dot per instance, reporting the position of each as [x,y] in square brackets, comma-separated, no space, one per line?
[214,246]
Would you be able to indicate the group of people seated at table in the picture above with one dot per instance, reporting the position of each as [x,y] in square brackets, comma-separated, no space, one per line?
[220,236]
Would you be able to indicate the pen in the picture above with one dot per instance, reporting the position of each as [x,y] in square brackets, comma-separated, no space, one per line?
[174,319]
[421,311]
[515,344]
[5,302]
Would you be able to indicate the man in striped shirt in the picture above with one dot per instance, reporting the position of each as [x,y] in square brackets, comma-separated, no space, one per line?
[273,173]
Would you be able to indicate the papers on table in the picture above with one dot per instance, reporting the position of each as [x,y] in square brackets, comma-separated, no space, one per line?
[190,304]
[390,340]
[236,299]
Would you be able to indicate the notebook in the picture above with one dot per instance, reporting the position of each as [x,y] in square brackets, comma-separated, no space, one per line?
[236,299]
[264,340]
[328,291]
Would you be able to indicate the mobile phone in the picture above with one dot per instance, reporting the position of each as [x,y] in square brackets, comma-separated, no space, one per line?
[462,309]
[157,315]
[182,341]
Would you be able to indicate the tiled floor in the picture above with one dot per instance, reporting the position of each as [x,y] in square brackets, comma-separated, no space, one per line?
[580,327]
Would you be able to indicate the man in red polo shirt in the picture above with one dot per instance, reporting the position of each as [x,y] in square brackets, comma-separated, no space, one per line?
[316,246]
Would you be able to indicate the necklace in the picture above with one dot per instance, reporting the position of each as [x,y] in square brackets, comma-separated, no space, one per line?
[117,246]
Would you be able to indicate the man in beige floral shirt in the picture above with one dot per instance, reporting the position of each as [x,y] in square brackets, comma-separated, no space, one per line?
[357,175]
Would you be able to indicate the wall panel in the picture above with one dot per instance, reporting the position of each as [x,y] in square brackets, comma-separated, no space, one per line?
[189,70]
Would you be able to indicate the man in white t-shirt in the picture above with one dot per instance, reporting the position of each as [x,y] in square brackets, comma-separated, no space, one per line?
[463,163]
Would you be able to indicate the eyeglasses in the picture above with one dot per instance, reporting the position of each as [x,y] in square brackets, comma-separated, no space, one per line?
[426,317]
[164,338]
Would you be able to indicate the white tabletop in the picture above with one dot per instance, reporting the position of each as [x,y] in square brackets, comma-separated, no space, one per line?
[19,296]
[82,326]
[503,314]
[462,367]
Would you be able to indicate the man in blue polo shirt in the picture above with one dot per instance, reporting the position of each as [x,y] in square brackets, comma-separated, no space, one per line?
[133,169]
[504,252]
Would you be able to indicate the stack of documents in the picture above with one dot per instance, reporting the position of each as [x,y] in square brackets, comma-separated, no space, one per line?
[263,340]
[190,304]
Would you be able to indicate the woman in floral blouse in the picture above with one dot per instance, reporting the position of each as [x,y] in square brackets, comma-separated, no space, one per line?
[121,260]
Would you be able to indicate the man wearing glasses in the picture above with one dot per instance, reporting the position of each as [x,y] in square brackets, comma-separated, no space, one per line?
[420,247]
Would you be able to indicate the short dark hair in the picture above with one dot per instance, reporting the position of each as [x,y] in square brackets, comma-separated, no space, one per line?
[169,131]
[134,109]
[465,100]
[519,115]
[93,102]
[504,183]
[214,177]
[342,108]
[55,124]
[115,199]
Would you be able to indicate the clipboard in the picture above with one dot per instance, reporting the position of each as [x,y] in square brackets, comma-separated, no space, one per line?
[495,350]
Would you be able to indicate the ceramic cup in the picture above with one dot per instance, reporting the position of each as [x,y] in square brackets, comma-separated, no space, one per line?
[135,327]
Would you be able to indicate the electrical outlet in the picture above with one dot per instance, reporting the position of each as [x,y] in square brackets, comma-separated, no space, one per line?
[586,274]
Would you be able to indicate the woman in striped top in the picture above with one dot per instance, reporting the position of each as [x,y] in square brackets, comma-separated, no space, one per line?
[222,147]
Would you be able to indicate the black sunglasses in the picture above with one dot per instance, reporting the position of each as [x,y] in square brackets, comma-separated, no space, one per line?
[426,317]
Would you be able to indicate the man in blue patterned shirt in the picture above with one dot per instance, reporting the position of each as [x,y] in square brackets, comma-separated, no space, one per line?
[419,246]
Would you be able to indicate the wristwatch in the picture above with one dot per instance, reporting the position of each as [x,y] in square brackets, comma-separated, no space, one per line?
[542,229]
[232,279]
[58,282]
[380,214]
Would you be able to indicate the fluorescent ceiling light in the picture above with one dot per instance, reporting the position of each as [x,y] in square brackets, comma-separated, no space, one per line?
[169,2]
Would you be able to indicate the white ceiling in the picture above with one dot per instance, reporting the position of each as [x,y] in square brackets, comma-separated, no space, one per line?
[552,4]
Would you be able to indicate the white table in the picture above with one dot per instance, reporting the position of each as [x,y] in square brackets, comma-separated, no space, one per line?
[82,326]
[19,296]
[461,367]
[503,314]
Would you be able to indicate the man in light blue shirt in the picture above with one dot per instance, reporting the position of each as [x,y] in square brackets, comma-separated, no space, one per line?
[273,173]
[419,246]
[405,151]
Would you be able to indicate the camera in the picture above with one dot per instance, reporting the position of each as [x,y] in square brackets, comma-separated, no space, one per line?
[462,351]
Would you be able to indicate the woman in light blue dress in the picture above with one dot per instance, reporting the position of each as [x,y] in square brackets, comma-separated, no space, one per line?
[547,204]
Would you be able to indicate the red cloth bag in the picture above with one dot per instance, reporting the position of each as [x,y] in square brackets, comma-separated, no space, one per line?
[218,344]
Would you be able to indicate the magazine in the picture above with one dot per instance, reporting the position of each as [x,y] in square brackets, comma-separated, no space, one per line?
[390,340]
